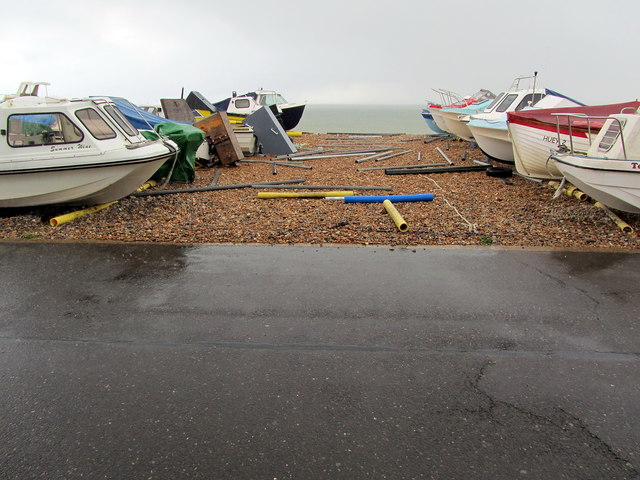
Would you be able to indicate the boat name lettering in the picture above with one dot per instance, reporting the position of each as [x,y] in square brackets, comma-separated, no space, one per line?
[70,147]
[546,138]
[635,165]
[62,149]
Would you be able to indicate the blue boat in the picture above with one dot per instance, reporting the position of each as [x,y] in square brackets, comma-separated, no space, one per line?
[432,128]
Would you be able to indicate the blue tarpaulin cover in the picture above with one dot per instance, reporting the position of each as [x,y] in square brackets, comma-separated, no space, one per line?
[138,117]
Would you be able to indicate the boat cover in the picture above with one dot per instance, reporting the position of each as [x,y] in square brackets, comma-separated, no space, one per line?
[138,117]
[496,124]
[545,116]
[548,91]
[188,139]
[469,109]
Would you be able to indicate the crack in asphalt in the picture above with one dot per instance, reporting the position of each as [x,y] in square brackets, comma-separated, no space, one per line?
[570,420]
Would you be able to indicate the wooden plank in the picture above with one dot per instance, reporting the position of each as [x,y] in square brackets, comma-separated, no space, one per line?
[220,132]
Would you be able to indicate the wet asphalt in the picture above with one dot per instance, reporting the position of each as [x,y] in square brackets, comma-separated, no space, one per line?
[272,362]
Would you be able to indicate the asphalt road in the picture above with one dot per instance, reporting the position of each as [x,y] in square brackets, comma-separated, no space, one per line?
[251,362]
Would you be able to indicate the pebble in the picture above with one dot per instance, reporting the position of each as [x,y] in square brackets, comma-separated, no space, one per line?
[469,208]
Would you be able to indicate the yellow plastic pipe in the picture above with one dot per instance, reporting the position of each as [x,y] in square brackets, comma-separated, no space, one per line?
[294,134]
[302,194]
[68,217]
[570,191]
[395,215]
[622,225]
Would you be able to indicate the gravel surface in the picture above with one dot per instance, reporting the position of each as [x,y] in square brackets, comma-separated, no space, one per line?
[469,208]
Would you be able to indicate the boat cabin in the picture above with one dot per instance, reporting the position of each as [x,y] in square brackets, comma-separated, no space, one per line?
[252,101]
[619,137]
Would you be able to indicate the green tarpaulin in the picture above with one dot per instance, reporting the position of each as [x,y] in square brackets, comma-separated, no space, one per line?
[188,139]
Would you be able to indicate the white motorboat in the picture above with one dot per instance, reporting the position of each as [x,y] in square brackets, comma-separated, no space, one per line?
[71,151]
[609,172]
[431,114]
[241,106]
[456,117]
[489,129]
[536,133]
[436,115]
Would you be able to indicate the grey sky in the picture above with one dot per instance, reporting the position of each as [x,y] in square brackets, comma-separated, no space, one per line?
[321,51]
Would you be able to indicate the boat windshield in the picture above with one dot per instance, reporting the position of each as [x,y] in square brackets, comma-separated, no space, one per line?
[121,121]
[271,99]
[495,102]
[96,125]
[482,95]
[506,103]
[35,129]
[529,100]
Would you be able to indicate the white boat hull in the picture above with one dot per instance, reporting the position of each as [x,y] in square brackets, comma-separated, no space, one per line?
[494,142]
[614,183]
[457,125]
[533,146]
[82,183]
[439,119]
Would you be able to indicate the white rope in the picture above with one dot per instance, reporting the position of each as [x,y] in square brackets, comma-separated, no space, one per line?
[473,227]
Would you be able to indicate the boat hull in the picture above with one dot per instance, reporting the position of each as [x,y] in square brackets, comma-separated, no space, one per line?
[79,183]
[289,117]
[494,142]
[614,183]
[439,120]
[457,125]
[532,147]
[537,133]
[432,128]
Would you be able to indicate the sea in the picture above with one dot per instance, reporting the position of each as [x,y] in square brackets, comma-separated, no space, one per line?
[362,119]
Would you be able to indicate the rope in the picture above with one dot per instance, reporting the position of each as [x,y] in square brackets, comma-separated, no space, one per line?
[473,227]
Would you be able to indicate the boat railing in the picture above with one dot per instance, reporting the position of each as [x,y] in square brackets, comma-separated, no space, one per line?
[572,116]
[448,97]
[515,85]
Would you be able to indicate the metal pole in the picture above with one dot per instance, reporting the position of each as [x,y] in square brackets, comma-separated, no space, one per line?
[411,171]
[422,165]
[386,157]
[444,155]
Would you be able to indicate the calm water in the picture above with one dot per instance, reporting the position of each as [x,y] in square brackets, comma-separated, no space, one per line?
[362,119]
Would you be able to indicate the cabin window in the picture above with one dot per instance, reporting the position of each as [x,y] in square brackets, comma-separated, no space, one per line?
[26,130]
[271,99]
[96,125]
[122,122]
[242,103]
[506,103]
[611,135]
[529,100]
[494,102]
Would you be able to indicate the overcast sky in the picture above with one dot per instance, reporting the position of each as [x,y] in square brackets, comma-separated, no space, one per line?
[321,51]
